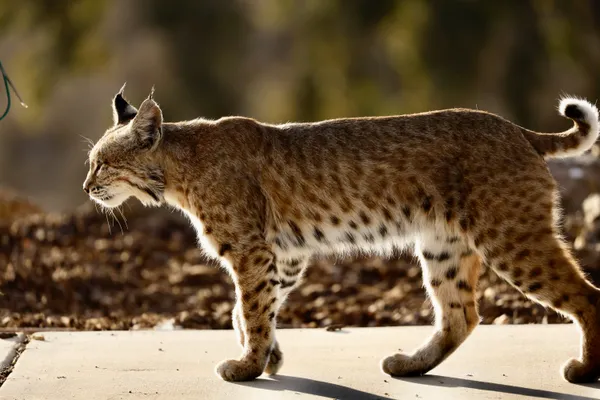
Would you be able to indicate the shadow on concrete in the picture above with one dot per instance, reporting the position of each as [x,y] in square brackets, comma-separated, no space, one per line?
[310,386]
[445,381]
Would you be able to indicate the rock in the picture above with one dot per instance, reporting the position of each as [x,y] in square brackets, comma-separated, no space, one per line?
[502,320]
[591,209]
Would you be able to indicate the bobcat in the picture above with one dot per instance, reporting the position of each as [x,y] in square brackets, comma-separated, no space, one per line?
[462,187]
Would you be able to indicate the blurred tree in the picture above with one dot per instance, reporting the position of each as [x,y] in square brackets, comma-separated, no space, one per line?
[286,60]
[63,31]
[207,40]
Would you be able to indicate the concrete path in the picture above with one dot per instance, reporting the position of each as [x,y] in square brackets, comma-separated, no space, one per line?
[497,362]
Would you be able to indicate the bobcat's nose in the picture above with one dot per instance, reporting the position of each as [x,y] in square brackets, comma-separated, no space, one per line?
[87,185]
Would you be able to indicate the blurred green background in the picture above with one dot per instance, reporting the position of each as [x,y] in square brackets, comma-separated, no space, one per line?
[277,61]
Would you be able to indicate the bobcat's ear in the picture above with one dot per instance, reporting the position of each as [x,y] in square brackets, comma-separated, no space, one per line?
[123,112]
[147,124]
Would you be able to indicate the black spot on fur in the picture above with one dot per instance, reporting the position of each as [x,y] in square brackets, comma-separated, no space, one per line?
[463,285]
[406,211]
[225,247]
[272,268]
[383,231]
[435,282]
[534,287]
[274,282]
[387,214]
[443,256]
[286,284]
[535,272]
[426,203]
[271,316]
[291,272]
[451,273]
[319,235]
[297,233]
[335,220]
[350,238]
[353,225]
[260,286]
[466,253]
[293,262]
[365,218]
[557,303]
[259,260]
[522,254]
[455,305]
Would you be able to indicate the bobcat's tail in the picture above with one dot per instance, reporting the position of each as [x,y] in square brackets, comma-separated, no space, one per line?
[574,141]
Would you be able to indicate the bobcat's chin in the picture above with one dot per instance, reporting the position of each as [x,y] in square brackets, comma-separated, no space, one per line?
[111,200]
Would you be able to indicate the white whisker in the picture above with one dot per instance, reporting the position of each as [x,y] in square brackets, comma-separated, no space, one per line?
[88,141]
[117,220]
[123,215]
[107,221]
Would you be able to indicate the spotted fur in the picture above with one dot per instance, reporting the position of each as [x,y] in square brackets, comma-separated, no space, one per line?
[463,186]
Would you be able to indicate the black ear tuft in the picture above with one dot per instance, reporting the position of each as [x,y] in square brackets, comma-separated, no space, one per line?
[123,112]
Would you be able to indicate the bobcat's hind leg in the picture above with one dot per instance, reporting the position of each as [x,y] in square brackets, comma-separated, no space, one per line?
[450,274]
[544,270]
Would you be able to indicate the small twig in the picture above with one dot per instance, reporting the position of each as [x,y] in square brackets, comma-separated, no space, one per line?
[7,83]
[335,327]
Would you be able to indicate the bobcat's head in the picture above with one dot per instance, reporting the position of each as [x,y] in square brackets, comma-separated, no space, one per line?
[123,163]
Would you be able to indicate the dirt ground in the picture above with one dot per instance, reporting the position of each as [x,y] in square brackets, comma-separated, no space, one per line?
[78,271]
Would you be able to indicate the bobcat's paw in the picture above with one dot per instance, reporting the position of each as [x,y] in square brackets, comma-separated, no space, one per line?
[235,370]
[401,365]
[575,371]
[275,361]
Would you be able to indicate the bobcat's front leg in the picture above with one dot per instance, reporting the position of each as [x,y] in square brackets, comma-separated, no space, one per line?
[256,281]
[276,358]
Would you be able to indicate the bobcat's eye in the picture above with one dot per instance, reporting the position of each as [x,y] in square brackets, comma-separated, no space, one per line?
[99,167]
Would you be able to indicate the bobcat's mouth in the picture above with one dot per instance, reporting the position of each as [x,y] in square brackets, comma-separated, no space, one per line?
[110,200]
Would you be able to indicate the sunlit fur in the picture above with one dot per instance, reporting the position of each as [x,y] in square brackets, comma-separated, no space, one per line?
[463,187]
